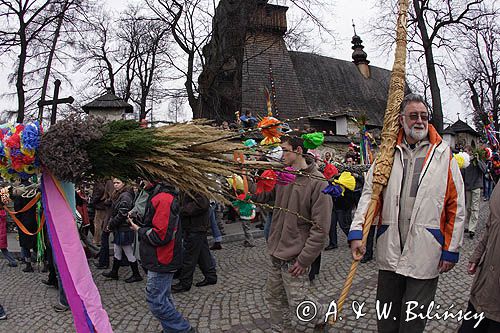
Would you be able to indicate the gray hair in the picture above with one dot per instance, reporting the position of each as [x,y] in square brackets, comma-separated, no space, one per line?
[412,98]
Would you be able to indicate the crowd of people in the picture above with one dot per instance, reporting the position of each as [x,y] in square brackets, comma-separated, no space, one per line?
[425,209]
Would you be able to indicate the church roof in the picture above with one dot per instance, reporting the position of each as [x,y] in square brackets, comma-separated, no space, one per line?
[336,86]
[460,127]
[108,101]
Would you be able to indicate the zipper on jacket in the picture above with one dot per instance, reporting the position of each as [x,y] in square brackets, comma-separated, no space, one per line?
[399,196]
[428,164]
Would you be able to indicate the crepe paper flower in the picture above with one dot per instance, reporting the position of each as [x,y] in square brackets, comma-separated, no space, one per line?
[239,182]
[31,136]
[334,190]
[27,152]
[285,178]
[346,180]
[271,130]
[24,175]
[13,141]
[274,154]
[313,140]
[330,171]
[245,208]
[266,182]
[250,143]
[489,153]
[463,159]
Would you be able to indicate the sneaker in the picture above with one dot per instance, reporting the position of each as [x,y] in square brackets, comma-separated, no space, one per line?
[60,307]
[3,315]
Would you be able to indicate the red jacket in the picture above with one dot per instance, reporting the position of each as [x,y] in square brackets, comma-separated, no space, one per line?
[160,238]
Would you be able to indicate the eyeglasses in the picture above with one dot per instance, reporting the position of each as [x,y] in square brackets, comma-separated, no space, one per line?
[415,116]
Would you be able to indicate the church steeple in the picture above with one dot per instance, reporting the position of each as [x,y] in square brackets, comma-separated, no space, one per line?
[358,55]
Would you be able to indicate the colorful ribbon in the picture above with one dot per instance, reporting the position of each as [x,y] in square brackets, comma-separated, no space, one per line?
[81,292]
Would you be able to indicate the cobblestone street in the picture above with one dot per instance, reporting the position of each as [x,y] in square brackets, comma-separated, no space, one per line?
[235,304]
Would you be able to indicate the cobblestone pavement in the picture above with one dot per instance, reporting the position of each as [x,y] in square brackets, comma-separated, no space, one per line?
[235,304]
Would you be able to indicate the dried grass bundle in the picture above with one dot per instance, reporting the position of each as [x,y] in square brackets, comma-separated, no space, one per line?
[189,156]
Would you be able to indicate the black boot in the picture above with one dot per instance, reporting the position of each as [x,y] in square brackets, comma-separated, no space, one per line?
[28,268]
[136,276]
[113,273]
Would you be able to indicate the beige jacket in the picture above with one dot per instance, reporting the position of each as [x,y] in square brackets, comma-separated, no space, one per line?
[437,220]
[290,236]
[485,291]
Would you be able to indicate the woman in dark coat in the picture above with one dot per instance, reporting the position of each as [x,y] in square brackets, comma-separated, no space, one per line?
[123,202]
[28,219]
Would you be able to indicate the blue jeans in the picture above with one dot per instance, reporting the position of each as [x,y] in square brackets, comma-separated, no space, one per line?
[487,187]
[213,224]
[267,225]
[161,304]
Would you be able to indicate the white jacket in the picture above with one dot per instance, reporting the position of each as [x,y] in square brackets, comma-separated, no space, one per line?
[437,220]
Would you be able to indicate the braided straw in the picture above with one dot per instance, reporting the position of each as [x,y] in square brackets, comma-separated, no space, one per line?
[385,158]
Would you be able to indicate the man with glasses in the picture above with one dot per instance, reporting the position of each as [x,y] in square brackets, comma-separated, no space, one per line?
[421,220]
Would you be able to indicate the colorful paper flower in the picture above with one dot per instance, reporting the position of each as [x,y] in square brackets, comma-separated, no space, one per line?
[271,130]
[285,178]
[330,171]
[245,208]
[334,190]
[266,182]
[31,137]
[313,140]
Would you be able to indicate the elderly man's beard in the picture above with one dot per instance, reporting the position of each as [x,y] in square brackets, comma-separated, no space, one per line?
[416,134]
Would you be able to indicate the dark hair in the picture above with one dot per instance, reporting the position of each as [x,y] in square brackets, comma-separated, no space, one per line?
[412,98]
[295,142]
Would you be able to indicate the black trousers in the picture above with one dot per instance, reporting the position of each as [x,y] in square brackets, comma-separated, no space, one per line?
[196,252]
[398,290]
[485,326]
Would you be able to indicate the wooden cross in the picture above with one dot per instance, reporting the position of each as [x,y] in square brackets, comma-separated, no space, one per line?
[54,102]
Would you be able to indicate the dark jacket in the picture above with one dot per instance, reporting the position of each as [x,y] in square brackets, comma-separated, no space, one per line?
[98,200]
[195,213]
[350,199]
[160,241]
[473,174]
[121,206]
[28,219]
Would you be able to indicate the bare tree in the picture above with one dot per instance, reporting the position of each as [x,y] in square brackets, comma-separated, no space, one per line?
[97,49]
[24,21]
[176,108]
[481,71]
[147,40]
[432,25]
[189,22]
[64,7]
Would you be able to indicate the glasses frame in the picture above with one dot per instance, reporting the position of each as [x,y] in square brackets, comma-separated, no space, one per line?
[417,116]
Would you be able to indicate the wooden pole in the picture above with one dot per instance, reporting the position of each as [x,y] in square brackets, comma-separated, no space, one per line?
[385,159]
